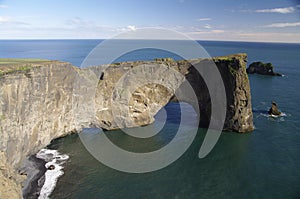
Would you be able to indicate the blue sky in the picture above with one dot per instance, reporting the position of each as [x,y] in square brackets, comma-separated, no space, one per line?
[234,20]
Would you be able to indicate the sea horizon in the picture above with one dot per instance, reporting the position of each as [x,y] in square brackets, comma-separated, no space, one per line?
[189,39]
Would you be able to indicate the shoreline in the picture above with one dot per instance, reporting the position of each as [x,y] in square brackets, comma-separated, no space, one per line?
[43,170]
[35,170]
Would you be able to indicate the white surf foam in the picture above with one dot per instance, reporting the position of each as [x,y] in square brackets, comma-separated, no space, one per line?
[274,116]
[52,157]
[277,118]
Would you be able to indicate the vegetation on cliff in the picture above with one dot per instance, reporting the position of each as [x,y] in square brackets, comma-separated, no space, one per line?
[11,65]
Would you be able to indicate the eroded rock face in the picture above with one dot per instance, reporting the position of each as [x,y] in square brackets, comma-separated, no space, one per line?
[132,96]
[52,99]
[262,68]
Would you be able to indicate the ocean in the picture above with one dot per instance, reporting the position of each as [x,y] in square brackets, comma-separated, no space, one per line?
[262,164]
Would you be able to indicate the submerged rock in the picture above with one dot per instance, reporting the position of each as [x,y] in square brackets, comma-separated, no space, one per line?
[262,68]
[274,110]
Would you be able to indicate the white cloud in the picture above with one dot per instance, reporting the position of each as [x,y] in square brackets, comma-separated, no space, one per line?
[282,25]
[269,37]
[207,26]
[237,35]
[77,21]
[4,19]
[11,21]
[204,19]
[131,28]
[217,31]
[3,6]
[246,10]
[285,10]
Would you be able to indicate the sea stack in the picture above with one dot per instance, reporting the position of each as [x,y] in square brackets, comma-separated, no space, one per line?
[262,68]
[274,110]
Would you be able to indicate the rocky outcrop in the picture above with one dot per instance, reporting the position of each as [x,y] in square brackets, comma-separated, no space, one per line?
[239,108]
[44,100]
[274,110]
[146,100]
[262,68]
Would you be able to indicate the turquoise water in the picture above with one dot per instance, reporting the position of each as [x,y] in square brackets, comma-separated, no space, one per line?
[261,164]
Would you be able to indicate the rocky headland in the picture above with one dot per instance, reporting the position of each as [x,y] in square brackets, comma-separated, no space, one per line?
[43,100]
[262,69]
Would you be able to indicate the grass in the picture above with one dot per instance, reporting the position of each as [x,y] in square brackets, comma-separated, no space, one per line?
[13,61]
[11,65]
[15,69]
[225,58]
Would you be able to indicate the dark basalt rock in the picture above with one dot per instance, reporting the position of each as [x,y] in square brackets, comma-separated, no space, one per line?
[274,110]
[51,167]
[262,68]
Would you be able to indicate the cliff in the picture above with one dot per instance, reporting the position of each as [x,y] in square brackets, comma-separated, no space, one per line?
[42,100]
[36,106]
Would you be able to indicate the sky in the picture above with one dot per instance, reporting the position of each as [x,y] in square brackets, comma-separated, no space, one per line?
[223,20]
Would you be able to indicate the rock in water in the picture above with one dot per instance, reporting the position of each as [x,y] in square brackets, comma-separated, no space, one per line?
[51,167]
[274,110]
[262,68]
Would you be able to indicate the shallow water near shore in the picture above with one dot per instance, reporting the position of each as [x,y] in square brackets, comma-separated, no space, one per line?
[261,164]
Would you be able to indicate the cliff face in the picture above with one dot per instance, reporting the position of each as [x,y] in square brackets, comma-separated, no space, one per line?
[36,106]
[50,99]
[239,109]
